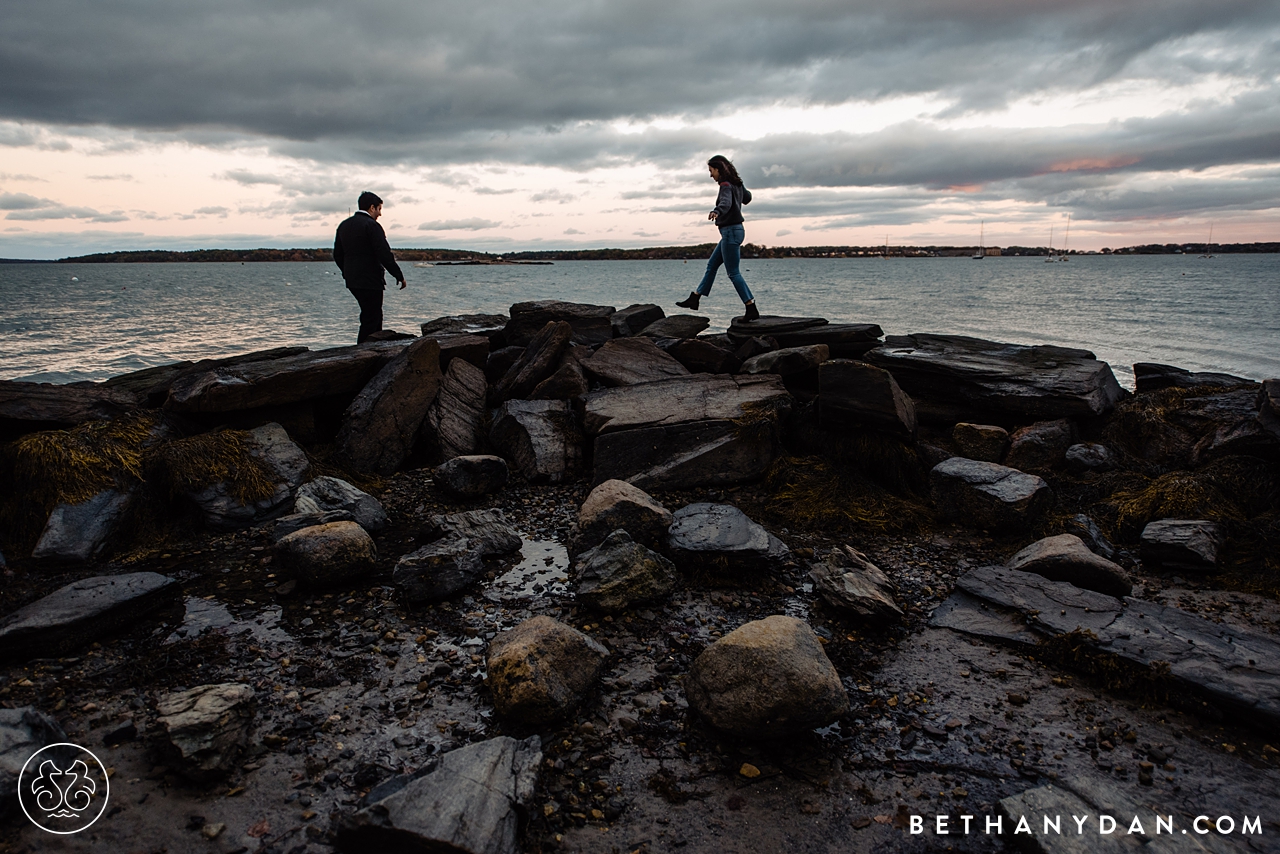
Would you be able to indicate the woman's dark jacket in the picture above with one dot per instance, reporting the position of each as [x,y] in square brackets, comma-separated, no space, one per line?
[728,207]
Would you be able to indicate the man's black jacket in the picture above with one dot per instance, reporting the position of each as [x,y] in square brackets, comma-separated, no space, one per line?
[361,252]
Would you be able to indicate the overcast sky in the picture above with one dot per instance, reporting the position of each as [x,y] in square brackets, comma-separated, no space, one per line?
[504,125]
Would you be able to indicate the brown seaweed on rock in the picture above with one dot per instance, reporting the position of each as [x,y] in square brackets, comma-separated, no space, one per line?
[814,494]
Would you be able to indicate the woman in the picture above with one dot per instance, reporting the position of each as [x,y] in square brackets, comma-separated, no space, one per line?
[728,216]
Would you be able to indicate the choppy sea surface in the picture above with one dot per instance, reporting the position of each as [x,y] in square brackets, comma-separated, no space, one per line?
[67,322]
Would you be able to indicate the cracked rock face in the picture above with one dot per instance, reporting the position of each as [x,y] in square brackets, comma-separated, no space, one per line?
[208,726]
[1185,544]
[542,670]
[766,679]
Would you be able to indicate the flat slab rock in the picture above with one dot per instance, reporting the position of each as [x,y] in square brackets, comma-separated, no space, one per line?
[630,361]
[972,376]
[1236,668]
[37,406]
[986,494]
[843,340]
[83,611]
[685,456]
[590,323]
[720,536]
[700,397]
[470,802]
[306,376]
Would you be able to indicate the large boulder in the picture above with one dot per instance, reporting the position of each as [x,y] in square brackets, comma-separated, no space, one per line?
[83,611]
[489,530]
[855,394]
[540,359]
[633,319]
[1151,376]
[629,361]
[472,349]
[325,494]
[956,378]
[1040,446]
[538,438]
[568,381]
[701,356]
[24,731]
[1179,428]
[488,325]
[1066,558]
[681,400]
[540,671]
[616,504]
[328,554]
[988,495]
[766,679]
[151,385]
[454,425]
[29,407]
[77,533]
[280,461]
[274,382]
[620,573]
[471,802]
[1182,544]
[850,583]
[983,442]
[472,476]
[677,326]
[590,324]
[688,456]
[843,340]
[720,538]
[788,360]
[207,727]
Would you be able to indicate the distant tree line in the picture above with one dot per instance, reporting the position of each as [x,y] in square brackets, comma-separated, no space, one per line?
[686,253]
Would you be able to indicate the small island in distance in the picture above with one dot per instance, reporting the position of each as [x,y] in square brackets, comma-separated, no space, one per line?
[687,253]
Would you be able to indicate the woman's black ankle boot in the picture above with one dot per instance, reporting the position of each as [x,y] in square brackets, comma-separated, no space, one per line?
[691,302]
[753,313]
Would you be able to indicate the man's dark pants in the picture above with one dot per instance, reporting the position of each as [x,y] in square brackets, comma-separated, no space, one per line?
[370,312]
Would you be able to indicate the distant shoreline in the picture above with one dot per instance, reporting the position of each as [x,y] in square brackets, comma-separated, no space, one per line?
[677,253]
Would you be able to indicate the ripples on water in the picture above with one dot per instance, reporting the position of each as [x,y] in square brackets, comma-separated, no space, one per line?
[1205,315]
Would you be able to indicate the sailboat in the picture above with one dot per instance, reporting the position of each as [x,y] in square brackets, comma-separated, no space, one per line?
[1209,245]
[1053,256]
[1066,240]
[982,249]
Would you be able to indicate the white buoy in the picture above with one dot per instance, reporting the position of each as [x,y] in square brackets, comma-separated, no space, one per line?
[74,279]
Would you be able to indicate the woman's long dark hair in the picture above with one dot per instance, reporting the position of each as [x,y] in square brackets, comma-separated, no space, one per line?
[727,173]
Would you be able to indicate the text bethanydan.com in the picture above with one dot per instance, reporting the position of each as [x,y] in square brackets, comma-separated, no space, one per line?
[1079,825]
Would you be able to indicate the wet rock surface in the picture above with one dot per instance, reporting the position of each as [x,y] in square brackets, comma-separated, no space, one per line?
[629,361]
[327,554]
[1182,544]
[854,585]
[541,670]
[23,732]
[852,394]
[454,424]
[616,504]
[589,324]
[207,727]
[78,532]
[620,573]
[721,537]
[538,438]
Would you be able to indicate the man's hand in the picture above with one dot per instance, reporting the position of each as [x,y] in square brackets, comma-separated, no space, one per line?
[711,215]
[403,284]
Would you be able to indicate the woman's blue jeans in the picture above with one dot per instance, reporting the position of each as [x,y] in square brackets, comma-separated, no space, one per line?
[729,253]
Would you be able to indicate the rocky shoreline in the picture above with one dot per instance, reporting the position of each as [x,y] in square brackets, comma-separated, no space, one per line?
[585,579]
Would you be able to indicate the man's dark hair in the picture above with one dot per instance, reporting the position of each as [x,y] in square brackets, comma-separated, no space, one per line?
[727,173]
[368,200]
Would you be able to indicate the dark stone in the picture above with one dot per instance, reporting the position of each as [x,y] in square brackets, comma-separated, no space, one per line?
[620,573]
[207,727]
[472,476]
[151,385]
[286,525]
[29,407]
[538,438]
[389,335]
[471,802]
[633,319]
[677,326]
[686,456]
[1089,533]
[956,378]
[455,420]
[630,361]
[1089,456]
[83,611]
[275,382]
[852,394]
[500,361]
[850,583]
[617,505]
[753,347]
[541,358]
[843,340]
[721,537]
[988,495]
[491,326]
[983,442]
[569,381]
[701,356]
[542,670]
[1182,544]
[77,533]
[700,397]
[438,570]
[325,494]
[1150,376]
[787,361]
[488,531]
[472,348]
[589,323]
[1066,558]
[24,731]
[327,555]
[1040,446]
[1180,429]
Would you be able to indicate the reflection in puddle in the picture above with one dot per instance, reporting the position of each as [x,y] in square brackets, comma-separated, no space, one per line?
[543,569]
[210,615]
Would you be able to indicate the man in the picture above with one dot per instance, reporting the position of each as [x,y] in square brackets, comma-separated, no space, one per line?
[361,252]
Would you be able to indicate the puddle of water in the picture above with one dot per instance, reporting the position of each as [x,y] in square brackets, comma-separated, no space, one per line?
[210,615]
[543,569]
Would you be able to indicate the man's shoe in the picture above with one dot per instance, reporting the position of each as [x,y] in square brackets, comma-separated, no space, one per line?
[753,313]
[691,302]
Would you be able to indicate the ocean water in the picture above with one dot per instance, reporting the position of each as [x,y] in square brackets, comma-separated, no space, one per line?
[67,322]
